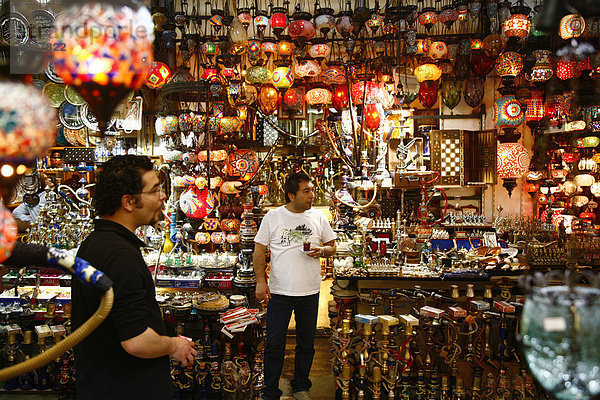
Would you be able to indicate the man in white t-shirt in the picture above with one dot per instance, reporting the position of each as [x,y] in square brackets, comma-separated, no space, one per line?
[294,281]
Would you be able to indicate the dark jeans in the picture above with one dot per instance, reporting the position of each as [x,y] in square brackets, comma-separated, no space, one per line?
[279,313]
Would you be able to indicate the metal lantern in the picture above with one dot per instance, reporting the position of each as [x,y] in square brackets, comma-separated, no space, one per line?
[103,68]
[518,26]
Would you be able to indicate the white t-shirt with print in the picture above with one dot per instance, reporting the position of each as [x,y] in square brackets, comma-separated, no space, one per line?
[294,273]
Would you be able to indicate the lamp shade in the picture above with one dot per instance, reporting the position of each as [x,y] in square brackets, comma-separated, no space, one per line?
[358,92]
[372,116]
[509,64]
[282,78]
[158,75]
[427,72]
[438,50]
[517,25]
[334,75]
[308,68]
[542,70]
[319,51]
[325,23]
[107,52]
[293,98]
[301,30]
[279,21]
[258,75]
[512,160]
[535,106]
[428,18]
[28,124]
[268,98]
[318,96]
[341,99]
[508,112]
[571,26]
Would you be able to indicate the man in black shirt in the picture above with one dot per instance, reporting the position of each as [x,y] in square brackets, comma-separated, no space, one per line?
[126,357]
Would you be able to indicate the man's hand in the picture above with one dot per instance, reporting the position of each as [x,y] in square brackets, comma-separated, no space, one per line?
[315,252]
[263,294]
[182,349]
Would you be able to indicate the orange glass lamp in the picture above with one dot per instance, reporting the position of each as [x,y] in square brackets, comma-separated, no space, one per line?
[571,26]
[158,75]
[103,68]
[428,18]
[318,97]
[427,72]
[517,26]
[512,163]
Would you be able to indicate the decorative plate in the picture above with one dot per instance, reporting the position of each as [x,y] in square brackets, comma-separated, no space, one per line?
[15,29]
[61,140]
[73,97]
[51,73]
[89,119]
[55,93]
[42,25]
[70,116]
[71,136]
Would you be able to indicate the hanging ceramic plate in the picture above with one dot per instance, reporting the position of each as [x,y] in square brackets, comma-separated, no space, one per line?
[81,133]
[15,29]
[73,97]
[71,136]
[70,116]
[89,119]
[42,25]
[55,93]
[52,75]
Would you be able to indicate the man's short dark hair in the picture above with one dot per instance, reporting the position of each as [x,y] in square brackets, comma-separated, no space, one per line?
[292,183]
[120,175]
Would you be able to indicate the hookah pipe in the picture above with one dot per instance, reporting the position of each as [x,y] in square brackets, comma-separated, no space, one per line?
[30,254]
[426,198]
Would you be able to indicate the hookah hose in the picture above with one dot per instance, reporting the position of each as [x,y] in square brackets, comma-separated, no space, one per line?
[32,254]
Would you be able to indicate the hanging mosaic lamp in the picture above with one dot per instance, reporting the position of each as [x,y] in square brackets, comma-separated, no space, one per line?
[27,127]
[245,17]
[319,51]
[341,99]
[481,64]
[279,21]
[512,162]
[542,70]
[571,26]
[372,116]
[509,65]
[438,50]
[293,98]
[261,21]
[535,106]
[103,68]
[308,68]
[158,75]
[508,112]
[517,26]
[493,45]
[282,78]
[427,72]
[301,30]
[344,25]
[428,91]
[324,20]
[334,75]
[358,92]
[268,97]
[375,22]
[318,97]
[257,75]
[448,16]
[566,69]
[451,89]
[428,18]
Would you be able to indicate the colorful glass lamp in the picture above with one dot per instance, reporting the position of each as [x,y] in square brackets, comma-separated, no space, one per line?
[103,68]
[512,163]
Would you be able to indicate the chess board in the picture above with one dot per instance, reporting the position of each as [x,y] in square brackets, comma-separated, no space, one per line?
[447,156]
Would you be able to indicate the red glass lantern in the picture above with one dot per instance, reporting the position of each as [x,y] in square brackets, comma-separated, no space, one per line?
[518,26]
[428,93]
[535,106]
[481,64]
[158,75]
[566,69]
[372,116]
[301,30]
[340,97]
[279,21]
[210,74]
[293,98]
